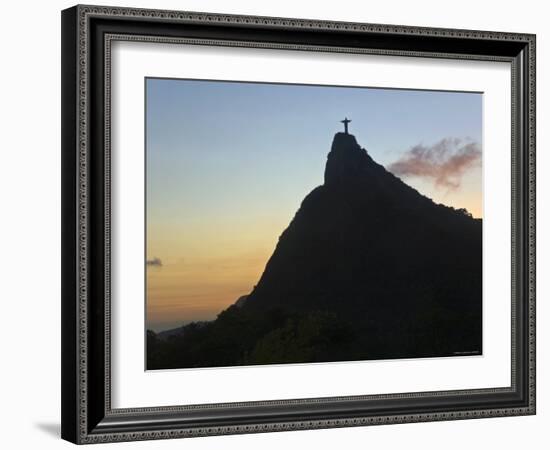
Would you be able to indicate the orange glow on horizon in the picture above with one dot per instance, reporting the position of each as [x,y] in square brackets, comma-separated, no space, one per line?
[196,286]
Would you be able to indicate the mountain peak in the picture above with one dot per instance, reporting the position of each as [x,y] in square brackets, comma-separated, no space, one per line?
[341,139]
[347,161]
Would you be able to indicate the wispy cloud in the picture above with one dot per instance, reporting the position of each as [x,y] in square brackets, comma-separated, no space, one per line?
[445,162]
[155,262]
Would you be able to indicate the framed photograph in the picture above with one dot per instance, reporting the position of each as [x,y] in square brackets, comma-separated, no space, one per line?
[267,222]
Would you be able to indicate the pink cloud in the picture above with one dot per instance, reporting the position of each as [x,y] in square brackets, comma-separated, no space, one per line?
[445,162]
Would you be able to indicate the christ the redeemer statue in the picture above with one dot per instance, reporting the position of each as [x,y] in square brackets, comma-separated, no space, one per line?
[345,122]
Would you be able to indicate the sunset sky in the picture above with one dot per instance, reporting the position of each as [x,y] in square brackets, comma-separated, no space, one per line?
[229,163]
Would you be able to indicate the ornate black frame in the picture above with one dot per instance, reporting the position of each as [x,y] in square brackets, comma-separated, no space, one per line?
[87,416]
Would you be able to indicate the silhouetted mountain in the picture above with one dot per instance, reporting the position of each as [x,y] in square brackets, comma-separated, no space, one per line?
[368,268]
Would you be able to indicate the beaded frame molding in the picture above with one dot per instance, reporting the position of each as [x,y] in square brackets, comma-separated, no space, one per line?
[87,35]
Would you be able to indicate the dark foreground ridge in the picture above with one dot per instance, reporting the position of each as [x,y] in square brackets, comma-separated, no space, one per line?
[368,268]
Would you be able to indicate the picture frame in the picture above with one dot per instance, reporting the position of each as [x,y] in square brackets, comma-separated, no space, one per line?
[88,415]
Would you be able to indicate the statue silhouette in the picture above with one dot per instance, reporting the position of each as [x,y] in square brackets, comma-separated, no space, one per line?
[345,122]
